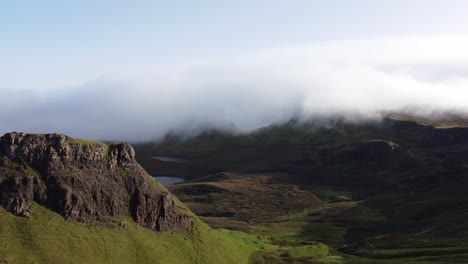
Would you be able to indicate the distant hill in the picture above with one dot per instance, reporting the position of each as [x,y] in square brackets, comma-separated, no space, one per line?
[437,119]
[276,147]
[376,191]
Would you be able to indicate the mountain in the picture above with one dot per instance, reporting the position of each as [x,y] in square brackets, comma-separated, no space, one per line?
[322,191]
[374,191]
[67,200]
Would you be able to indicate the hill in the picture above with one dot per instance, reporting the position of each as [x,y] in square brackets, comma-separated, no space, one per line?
[388,191]
[66,200]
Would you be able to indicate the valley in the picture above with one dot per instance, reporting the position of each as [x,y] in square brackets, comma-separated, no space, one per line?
[234,132]
[389,192]
[392,191]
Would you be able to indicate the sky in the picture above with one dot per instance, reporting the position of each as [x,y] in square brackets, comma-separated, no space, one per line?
[134,70]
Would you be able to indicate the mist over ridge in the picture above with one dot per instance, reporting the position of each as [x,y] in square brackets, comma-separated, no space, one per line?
[355,78]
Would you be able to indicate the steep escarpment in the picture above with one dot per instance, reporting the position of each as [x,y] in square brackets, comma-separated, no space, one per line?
[430,134]
[83,180]
[450,136]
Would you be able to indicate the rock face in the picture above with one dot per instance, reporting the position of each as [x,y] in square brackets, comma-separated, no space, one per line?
[379,149]
[450,136]
[366,151]
[83,180]
[435,136]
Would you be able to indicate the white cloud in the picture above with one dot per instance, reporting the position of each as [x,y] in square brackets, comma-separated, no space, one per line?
[254,90]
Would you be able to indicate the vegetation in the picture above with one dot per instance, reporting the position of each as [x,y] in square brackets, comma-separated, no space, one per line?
[82,142]
[46,237]
[439,120]
[388,192]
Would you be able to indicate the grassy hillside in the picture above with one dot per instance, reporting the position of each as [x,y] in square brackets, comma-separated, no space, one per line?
[46,237]
[62,182]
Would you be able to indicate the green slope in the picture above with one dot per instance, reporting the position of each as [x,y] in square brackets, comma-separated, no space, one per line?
[46,237]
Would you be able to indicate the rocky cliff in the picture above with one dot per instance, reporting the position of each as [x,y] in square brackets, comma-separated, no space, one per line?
[83,180]
[450,136]
[429,134]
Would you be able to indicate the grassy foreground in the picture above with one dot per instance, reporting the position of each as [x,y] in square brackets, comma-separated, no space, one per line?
[46,237]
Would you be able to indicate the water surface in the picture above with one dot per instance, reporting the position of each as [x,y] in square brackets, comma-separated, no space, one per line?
[170,159]
[168,180]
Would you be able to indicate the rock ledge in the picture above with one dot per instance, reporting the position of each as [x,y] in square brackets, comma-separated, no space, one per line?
[83,180]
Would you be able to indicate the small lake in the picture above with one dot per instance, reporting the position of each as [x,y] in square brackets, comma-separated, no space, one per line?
[170,159]
[167,180]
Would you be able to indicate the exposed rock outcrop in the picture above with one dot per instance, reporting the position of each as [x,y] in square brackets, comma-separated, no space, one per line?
[365,151]
[379,149]
[436,136]
[450,136]
[83,180]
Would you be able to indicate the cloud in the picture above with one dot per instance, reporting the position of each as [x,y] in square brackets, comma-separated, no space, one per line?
[253,90]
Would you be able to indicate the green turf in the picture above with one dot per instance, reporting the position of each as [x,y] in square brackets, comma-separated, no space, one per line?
[83,142]
[46,237]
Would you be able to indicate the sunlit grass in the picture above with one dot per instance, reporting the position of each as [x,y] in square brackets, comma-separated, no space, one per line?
[46,237]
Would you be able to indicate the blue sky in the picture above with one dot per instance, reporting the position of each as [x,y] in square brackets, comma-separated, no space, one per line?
[52,52]
[54,43]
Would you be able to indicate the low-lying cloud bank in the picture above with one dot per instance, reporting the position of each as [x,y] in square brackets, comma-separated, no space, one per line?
[247,92]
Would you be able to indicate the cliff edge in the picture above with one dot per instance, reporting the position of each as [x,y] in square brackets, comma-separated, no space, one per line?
[83,180]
